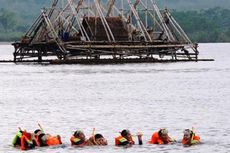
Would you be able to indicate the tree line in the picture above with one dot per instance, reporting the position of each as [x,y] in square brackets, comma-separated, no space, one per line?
[211,25]
[11,27]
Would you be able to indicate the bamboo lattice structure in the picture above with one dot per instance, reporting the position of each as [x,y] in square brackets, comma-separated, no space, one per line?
[105,29]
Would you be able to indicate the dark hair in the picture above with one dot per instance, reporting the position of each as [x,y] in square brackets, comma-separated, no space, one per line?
[98,136]
[40,140]
[36,131]
[160,132]
[190,132]
[77,133]
[124,133]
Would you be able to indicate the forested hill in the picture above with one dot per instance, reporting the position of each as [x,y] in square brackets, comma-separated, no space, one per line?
[35,5]
[194,4]
[203,20]
[27,9]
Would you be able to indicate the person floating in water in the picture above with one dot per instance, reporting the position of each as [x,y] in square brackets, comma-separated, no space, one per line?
[126,139]
[190,138]
[48,140]
[23,140]
[161,137]
[97,139]
[36,137]
[79,139]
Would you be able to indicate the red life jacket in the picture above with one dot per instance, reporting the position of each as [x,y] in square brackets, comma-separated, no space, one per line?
[25,140]
[37,141]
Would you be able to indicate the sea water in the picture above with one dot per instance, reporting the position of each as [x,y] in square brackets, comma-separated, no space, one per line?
[138,97]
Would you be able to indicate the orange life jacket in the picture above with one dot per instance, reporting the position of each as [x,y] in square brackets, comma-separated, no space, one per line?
[53,140]
[156,139]
[119,140]
[72,140]
[185,142]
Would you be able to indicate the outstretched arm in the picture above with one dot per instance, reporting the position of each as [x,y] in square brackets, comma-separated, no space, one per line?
[139,135]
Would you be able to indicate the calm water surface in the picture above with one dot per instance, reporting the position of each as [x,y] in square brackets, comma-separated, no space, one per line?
[140,97]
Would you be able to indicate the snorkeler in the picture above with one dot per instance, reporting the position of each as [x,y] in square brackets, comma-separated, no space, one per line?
[126,139]
[161,137]
[190,138]
[24,140]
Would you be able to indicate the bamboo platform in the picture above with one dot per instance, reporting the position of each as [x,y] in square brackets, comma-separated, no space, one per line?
[88,32]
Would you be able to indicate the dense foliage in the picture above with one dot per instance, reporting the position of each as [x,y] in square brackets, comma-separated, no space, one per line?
[211,25]
[184,5]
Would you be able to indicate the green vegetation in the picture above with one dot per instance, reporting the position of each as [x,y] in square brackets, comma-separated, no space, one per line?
[211,25]
[185,5]
[10,27]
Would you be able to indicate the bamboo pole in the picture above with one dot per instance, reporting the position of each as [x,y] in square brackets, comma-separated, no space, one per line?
[139,22]
[110,7]
[104,22]
[82,29]
[53,32]
[166,29]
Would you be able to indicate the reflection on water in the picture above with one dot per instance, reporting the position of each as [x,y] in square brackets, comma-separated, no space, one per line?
[110,98]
